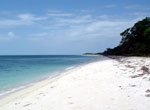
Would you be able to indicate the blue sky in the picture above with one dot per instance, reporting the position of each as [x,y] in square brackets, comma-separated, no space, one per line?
[66,26]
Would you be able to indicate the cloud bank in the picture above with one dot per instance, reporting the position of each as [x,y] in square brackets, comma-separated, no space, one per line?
[74,32]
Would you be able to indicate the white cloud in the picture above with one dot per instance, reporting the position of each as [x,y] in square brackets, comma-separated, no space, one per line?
[76,19]
[31,17]
[67,30]
[22,19]
[11,22]
[11,34]
[56,13]
[103,16]
[73,28]
[140,7]
[26,16]
[60,14]
[99,29]
[89,27]
[95,30]
[141,14]
[84,10]
[8,36]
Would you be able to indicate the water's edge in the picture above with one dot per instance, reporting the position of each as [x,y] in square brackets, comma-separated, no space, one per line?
[55,74]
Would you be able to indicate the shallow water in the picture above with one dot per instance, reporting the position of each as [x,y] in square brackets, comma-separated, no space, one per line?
[24,69]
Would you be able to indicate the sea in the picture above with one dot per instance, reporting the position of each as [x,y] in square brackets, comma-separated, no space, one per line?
[20,71]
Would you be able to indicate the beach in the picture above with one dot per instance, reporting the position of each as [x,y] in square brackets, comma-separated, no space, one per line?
[114,83]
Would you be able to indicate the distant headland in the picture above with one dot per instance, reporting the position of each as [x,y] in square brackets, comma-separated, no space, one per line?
[92,54]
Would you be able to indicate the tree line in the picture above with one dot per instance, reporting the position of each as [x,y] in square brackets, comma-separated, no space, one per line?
[135,41]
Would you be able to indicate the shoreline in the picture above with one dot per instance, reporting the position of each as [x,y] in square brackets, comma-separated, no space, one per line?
[101,84]
[27,90]
[46,79]
[21,87]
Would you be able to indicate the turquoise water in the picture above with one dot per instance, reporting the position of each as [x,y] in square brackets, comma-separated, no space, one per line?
[16,71]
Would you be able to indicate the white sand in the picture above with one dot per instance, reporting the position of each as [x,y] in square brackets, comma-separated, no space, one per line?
[100,85]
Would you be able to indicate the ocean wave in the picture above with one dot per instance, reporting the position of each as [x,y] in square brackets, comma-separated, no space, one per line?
[71,67]
[6,92]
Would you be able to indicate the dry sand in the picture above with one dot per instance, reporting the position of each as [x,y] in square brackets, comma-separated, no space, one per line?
[111,84]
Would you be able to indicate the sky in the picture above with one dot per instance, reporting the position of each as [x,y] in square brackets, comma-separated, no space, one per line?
[50,27]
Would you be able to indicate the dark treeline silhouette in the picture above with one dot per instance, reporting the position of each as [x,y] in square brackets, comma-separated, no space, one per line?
[135,40]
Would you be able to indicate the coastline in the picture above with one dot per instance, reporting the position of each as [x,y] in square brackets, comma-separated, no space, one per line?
[105,84]
[30,87]
[27,90]
[49,75]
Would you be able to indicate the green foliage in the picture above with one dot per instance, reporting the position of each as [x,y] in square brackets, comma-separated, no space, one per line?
[135,40]
[147,33]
